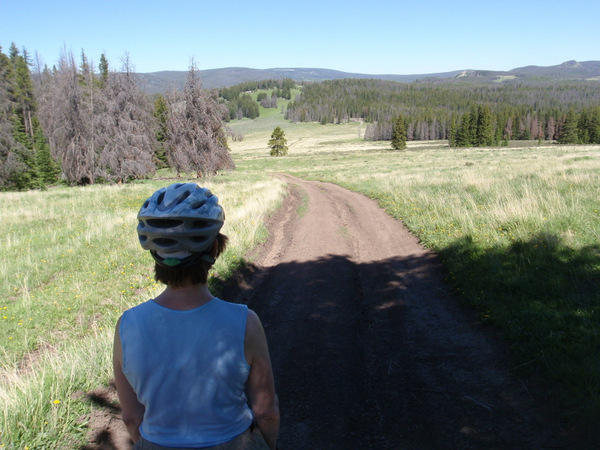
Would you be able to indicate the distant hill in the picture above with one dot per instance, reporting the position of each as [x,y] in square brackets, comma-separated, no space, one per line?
[159,82]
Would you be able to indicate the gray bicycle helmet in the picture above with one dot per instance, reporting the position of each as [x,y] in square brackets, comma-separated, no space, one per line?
[180,219]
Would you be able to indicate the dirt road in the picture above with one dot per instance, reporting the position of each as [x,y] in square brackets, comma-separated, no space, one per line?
[370,349]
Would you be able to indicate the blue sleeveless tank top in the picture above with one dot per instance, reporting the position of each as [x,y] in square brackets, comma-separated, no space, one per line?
[189,370]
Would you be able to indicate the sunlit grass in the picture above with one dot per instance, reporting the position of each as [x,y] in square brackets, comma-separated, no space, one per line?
[517,229]
[72,264]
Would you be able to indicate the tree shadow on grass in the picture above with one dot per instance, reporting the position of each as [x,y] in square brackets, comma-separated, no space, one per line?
[545,296]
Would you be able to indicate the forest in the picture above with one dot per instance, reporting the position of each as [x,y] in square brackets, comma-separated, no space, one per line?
[80,124]
[240,104]
[565,111]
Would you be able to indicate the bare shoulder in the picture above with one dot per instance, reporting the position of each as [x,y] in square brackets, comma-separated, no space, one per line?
[255,339]
[254,327]
[253,320]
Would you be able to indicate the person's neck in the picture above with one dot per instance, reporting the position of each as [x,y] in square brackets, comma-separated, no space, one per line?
[189,296]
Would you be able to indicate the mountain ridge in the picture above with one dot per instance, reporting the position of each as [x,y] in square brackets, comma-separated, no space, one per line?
[159,82]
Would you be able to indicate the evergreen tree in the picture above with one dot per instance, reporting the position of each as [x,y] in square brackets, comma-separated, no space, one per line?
[248,106]
[399,133]
[103,68]
[278,143]
[25,174]
[452,131]
[85,70]
[485,130]
[261,96]
[583,127]
[49,170]
[568,130]
[18,168]
[23,90]
[463,133]
[594,125]
[498,127]
[161,114]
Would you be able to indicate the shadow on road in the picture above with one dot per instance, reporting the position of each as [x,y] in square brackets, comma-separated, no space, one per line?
[380,355]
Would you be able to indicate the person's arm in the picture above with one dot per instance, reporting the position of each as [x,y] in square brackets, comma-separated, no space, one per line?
[132,409]
[261,386]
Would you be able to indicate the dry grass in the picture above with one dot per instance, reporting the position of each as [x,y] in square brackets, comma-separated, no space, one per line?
[71,264]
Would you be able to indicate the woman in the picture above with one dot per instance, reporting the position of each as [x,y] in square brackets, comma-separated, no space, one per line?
[184,360]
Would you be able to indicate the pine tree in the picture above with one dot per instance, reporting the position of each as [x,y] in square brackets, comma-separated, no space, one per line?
[498,129]
[463,133]
[21,92]
[85,70]
[568,131]
[452,131]
[25,176]
[49,170]
[594,125]
[399,133]
[484,131]
[161,114]
[18,168]
[103,68]
[278,143]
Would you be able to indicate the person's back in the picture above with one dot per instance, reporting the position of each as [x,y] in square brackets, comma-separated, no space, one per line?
[194,356]
[183,360]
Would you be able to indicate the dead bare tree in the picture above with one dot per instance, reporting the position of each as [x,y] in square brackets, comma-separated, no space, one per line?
[97,130]
[125,128]
[196,135]
[66,112]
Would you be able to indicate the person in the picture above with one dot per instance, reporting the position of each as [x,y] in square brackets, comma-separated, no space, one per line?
[185,360]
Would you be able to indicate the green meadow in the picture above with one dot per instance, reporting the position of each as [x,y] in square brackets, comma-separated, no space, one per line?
[516,227]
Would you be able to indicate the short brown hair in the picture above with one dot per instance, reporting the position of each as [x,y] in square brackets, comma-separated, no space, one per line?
[196,273]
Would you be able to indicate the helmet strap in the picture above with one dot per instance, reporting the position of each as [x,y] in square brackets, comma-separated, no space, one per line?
[182,263]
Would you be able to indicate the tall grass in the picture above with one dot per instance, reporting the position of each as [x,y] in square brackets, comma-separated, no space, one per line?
[71,265]
[517,229]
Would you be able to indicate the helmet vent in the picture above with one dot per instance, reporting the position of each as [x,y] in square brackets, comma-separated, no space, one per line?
[198,239]
[183,196]
[200,224]
[198,204]
[160,198]
[164,223]
[164,242]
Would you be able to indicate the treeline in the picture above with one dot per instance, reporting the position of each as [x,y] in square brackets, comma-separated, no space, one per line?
[435,110]
[240,104]
[83,125]
[482,127]
[25,157]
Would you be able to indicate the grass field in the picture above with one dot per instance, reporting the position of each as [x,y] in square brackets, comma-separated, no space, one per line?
[72,264]
[517,229]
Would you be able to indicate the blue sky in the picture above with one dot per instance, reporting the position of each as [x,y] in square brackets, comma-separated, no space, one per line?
[370,36]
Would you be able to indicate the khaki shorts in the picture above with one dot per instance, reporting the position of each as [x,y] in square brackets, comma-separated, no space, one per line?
[251,439]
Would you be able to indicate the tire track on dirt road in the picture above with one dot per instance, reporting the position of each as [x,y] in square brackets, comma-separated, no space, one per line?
[369,348]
